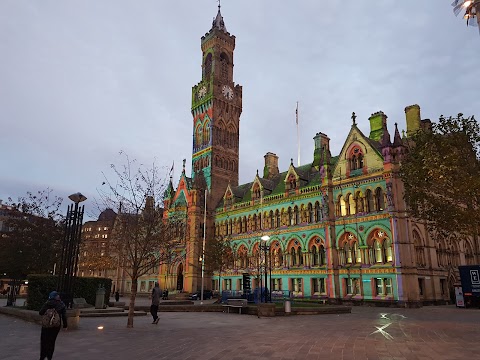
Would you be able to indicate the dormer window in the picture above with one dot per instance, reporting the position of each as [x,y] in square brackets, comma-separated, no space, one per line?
[291,182]
[356,159]
[228,199]
[256,192]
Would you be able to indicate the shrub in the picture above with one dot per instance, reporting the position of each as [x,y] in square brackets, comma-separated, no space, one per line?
[39,286]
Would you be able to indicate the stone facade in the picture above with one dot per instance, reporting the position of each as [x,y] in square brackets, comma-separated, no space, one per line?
[338,226]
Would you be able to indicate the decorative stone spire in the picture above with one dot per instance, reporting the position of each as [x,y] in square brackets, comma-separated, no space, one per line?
[218,22]
[397,140]
[385,140]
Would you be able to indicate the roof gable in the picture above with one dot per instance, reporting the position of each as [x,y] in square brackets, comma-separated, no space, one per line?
[370,150]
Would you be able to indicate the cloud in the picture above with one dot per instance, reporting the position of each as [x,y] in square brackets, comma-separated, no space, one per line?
[81,81]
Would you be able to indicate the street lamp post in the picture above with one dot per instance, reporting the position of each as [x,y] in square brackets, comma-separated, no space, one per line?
[70,247]
[472,11]
[265,239]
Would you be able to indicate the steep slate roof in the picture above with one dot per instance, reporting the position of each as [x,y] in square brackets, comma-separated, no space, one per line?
[309,176]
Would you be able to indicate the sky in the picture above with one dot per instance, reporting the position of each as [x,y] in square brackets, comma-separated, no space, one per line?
[81,81]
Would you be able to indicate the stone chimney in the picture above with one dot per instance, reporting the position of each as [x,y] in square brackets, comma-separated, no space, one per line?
[378,122]
[412,115]
[271,166]
[322,146]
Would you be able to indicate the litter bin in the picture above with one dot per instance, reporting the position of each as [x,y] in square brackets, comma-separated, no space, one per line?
[288,306]
[100,298]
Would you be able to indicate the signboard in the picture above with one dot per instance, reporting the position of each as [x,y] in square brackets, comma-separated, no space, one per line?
[459,300]
[470,278]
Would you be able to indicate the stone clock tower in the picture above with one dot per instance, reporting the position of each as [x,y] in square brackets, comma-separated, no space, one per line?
[216,109]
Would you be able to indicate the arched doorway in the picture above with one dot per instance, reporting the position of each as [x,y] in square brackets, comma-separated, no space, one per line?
[180,277]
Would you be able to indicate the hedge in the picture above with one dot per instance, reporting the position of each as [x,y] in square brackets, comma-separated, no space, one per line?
[39,286]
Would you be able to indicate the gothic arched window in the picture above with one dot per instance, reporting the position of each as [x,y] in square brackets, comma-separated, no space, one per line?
[379,199]
[369,201]
[207,66]
[206,133]
[310,216]
[224,66]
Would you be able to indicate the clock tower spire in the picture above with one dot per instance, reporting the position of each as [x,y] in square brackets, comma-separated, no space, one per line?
[216,110]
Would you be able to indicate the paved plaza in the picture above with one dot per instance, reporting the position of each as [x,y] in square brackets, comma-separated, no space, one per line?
[440,333]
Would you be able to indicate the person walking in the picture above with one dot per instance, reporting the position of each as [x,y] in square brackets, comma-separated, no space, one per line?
[156,294]
[54,314]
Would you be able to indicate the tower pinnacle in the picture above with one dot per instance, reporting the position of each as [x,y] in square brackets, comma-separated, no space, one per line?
[218,22]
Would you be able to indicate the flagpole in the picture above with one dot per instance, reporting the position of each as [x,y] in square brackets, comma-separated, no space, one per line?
[298,138]
[203,246]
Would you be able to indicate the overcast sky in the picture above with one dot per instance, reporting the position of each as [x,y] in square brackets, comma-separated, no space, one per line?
[82,80]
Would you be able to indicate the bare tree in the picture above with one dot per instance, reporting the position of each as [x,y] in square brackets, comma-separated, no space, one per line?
[141,237]
[218,257]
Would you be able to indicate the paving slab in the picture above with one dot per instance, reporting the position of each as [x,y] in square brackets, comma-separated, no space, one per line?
[368,333]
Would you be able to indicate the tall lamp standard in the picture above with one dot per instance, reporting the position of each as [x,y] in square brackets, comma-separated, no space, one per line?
[265,239]
[67,271]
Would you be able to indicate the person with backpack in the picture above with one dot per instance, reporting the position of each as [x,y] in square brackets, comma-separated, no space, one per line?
[54,314]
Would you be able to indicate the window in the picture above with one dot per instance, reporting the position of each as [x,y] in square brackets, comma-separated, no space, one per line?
[379,200]
[277,257]
[310,213]
[378,251]
[342,205]
[105,228]
[348,253]
[276,284]
[387,250]
[224,66]
[369,201]
[227,284]
[388,286]
[383,286]
[353,286]
[318,286]
[315,258]
[357,255]
[207,68]
[379,286]
[318,212]
[296,216]
[272,220]
[296,256]
[323,260]
[291,182]
[277,218]
[297,286]
[290,216]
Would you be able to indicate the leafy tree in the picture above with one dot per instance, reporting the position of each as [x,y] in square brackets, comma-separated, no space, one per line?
[140,237]
[441,175]
[32,240]
[218,256]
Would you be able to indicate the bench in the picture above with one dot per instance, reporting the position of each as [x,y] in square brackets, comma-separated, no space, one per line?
[235,303]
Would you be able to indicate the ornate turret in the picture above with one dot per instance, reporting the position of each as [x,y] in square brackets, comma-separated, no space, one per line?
[218,22]
[397,139]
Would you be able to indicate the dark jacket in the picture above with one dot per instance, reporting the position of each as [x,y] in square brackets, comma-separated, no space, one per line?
[156,294]
[57,305]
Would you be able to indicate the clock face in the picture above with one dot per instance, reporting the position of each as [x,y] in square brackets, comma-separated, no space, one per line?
[202,92]
[227,91]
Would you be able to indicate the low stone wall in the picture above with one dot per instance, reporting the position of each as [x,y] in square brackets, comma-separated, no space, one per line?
[73,316]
